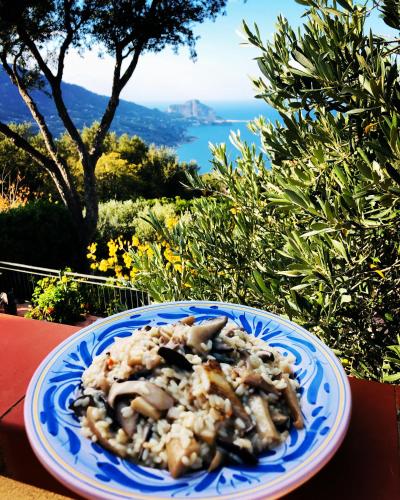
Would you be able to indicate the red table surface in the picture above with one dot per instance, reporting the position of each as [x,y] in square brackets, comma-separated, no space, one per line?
[366,466]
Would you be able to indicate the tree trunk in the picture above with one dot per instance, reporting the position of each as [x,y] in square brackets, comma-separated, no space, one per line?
[88,229]
[84,215]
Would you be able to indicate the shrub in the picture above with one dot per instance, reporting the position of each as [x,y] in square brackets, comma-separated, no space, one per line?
[126,218]
[41,234]
[118,218]
[316,236]
[165,213]
[58,300]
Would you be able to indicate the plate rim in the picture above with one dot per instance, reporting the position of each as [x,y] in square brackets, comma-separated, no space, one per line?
[300,474]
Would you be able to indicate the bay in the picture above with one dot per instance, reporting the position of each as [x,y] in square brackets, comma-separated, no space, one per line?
[238,114]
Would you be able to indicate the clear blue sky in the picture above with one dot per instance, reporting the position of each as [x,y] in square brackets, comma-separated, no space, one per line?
[222,70]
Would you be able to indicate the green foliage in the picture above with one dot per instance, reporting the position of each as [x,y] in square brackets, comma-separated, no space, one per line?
[57,300]
[40,233]
[128,168]
[391,367]
[114,177]
[160,174]
[16,164]
[316,236]
[126,218]
[390,12]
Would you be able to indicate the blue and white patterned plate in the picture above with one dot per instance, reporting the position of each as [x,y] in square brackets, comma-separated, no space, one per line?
[91,471]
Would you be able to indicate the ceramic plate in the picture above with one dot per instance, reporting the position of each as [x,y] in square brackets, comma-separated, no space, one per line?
[91,471]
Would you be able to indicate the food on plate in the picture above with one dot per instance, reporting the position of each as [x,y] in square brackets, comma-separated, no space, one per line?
[189,396]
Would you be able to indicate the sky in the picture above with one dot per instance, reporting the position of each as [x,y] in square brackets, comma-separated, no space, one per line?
[222,71]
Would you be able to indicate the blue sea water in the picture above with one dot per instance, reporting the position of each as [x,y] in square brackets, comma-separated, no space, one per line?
[198,149]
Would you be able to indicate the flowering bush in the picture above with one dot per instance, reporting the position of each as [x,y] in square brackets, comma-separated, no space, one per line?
[58,300]
[125,255]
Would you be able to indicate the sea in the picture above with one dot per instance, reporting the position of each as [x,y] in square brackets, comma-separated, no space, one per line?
[237,114]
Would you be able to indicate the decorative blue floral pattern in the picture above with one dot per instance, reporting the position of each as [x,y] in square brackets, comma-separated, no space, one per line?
[86,467]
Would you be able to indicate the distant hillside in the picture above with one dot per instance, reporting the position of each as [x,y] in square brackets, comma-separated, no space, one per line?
[194,110]
[85,107]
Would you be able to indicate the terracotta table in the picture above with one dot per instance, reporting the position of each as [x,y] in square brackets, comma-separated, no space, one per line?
[367,466]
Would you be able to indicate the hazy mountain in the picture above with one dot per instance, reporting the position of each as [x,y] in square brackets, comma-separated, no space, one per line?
[85,107]
[194,110]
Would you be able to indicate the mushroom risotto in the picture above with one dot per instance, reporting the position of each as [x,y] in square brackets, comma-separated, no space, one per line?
[189,396]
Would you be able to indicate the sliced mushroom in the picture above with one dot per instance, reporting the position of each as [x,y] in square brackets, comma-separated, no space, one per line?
[256,380]
[220,346]
[217,460]
[140,405]
[280,420]
[200,334]
[136,375]
[234,454]
[189,320]
[175,454]
[265,426]
[293,403]
[224,359]
[79,405]
[102,437]
[126,418]
[214,382]
[174,358]
[149,391]
[266,356]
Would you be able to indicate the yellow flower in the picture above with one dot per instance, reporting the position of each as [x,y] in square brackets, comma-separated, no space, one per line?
[171,257]
[103,266]
[186,285]
[178,267]
[127,260]
[94,265]
[150,252]
[112,248]
[170,222]
[234,210]
[92,248]
[135,241]
[64,279]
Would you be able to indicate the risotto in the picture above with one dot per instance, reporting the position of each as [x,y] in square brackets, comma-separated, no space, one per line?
[189,396]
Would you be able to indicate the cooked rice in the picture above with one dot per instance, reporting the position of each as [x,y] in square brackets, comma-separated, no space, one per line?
[202,416]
